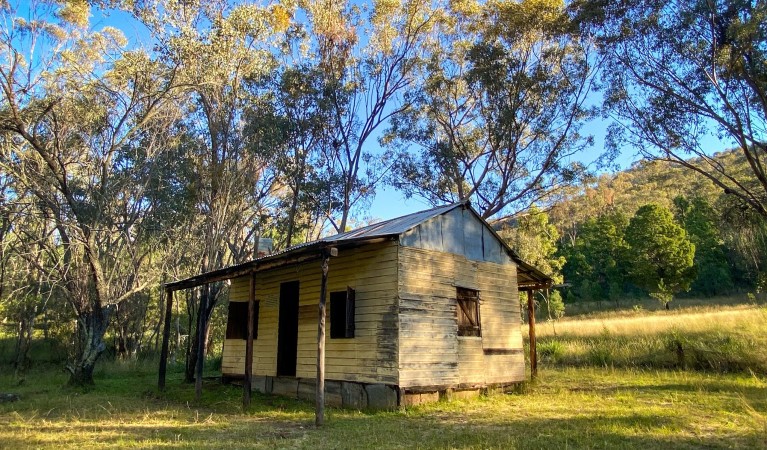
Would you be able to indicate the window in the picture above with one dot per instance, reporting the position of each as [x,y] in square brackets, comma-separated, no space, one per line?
[342,314]
[237,322]
[468,312]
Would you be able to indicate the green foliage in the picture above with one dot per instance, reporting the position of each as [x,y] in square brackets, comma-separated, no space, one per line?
[44,354]
[550,350]
[535,240]
[555,306]
[731,242]
[597,264]
[713,271]
[660,254]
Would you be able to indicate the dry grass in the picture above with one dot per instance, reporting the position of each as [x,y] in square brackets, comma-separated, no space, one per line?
[642,306]
[604,383]
[746,318]
[727,339]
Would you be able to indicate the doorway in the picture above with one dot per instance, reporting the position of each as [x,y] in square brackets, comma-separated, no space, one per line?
[287,331]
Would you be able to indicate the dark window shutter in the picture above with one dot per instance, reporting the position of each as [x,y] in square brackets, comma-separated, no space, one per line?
[468,312]
[237,321]
[342,314]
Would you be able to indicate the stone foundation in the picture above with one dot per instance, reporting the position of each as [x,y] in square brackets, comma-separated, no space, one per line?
[349,394]
[342,394]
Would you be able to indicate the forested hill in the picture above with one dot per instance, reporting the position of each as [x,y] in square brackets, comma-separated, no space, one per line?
[644,182]
[593,222]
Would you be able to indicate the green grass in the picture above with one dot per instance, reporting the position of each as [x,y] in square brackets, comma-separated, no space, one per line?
[571,407]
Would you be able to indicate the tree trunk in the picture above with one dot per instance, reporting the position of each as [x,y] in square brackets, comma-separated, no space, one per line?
[177,347]
[291,219]
[26,327]
[201,337]
[191,339]
[46,332]
[191,353]
[92,326]
[193,350]
[121,348]
[208,338]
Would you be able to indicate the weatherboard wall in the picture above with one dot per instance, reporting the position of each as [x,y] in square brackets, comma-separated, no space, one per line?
[369,357]
[454,250]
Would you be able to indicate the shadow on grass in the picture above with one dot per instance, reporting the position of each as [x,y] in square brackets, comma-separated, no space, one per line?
[391,431]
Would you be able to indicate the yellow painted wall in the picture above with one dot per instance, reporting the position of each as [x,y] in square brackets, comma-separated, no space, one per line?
[406,318]
[369,357]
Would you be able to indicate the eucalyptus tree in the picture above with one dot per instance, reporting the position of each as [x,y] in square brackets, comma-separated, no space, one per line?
[681,74]
[368,57]
[497,116]
[292,118]
[25,287]
[76,107]
[221,50]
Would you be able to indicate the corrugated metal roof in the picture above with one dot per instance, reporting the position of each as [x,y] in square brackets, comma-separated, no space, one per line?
[391,227]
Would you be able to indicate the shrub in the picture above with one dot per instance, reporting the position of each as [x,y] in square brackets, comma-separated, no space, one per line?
[551,350]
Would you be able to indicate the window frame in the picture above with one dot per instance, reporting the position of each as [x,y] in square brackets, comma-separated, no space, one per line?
[465,296]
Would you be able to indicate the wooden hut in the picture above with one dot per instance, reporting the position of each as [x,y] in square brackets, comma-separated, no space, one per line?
[419,306]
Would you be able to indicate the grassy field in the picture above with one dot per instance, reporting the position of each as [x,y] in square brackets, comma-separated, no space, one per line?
[606,381]
[645,304]
[578,408]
